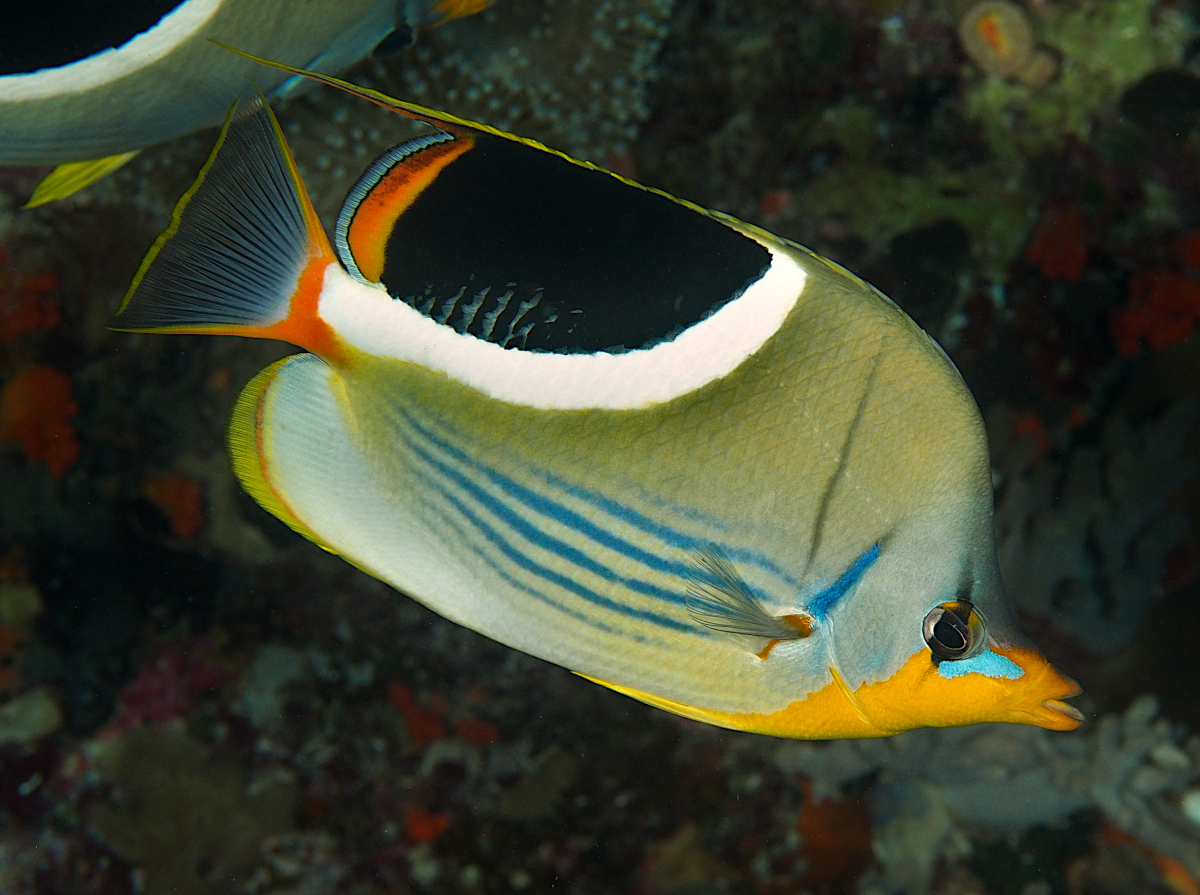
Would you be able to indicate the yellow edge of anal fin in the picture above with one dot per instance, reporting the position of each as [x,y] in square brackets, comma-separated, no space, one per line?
[70,178]
[243,438]
[718,719]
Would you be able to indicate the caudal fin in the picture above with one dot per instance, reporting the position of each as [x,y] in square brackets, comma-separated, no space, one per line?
[245,253]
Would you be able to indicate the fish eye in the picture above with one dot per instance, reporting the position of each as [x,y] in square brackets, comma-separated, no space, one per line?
[954,630]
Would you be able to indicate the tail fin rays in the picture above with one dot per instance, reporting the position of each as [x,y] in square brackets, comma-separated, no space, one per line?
[244,253]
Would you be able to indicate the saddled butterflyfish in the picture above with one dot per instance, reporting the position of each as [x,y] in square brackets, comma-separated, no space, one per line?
[87,85]
[682,457]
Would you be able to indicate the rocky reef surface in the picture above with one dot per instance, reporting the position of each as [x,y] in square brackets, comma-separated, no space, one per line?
[194,700]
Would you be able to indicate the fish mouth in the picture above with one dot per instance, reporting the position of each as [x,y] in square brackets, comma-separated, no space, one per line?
[1040,702]
[1052,711]
[1061,715]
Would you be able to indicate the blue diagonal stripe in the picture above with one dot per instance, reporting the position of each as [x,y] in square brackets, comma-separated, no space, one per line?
[464,539]
[546,506]
[549,543]
[824,600]
[521,559]
[670,535]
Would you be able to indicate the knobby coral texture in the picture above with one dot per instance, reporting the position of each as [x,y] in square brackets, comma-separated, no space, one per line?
[1084,536]
[193,699]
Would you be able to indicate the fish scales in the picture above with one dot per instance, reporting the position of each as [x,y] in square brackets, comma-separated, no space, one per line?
[685,392]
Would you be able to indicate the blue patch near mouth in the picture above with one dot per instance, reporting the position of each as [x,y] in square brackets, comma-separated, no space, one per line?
[986,662]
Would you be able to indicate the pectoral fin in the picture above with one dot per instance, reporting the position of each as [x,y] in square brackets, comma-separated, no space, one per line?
[70,178]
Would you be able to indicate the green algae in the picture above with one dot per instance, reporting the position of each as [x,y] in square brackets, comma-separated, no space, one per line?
[1104,48]
[853,125]
[878,204]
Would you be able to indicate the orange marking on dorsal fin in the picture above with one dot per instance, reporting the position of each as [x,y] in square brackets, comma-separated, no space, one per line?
[377,213]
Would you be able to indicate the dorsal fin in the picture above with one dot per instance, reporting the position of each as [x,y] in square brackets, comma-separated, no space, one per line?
[384,192]
[500,238]
[441,120]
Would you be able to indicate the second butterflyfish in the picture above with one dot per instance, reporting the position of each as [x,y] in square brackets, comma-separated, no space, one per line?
[682,457]
[85,86]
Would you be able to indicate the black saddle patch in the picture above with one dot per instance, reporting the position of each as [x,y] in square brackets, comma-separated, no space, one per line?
[530,251]
[36,34]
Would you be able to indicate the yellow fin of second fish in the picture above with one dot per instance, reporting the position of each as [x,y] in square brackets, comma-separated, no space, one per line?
[70,178]
[448,10]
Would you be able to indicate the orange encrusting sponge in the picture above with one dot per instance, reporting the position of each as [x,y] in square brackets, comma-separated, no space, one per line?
[36,409]
[26,304]
[179,498]
[1163,309]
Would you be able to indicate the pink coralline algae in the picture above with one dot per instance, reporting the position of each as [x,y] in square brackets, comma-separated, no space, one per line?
[167,687]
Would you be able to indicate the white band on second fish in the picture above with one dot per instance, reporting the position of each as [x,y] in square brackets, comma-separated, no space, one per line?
[108,65]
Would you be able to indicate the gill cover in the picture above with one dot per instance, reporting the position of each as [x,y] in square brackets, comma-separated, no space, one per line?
[683,458]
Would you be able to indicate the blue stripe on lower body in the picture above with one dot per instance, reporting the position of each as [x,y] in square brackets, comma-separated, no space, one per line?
[464,539]
[539,538]
[819,604]
[672,536]
[546,506]
[519,557]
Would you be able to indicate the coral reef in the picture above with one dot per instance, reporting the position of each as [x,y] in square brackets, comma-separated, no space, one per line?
[1082,540]
[1104,47]
[168,686]
[570,73]
[1058,248]
[29,717]
[180,498]
[36,409]
[997,37]
[20,605]
[27,302]
[183,813]
[1162,310]
[1134,768]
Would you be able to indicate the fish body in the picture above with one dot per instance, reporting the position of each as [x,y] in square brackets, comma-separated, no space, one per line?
[665,449]
[160,76]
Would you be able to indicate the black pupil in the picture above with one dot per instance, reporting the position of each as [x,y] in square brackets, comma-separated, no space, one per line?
[948,635]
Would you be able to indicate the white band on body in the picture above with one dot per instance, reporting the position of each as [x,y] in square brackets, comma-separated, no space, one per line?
[374,323]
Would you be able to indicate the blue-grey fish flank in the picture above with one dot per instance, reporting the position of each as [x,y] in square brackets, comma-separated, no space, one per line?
[537,538]
[819,604]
